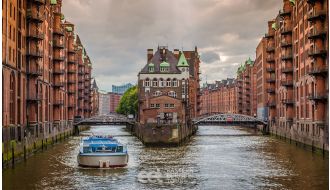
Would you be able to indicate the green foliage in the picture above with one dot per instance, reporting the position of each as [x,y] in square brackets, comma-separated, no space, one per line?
[129,102]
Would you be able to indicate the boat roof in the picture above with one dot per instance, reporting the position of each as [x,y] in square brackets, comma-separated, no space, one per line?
[95,141]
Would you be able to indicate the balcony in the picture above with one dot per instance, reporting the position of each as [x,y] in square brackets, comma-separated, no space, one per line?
[316,52]
[71,71]
[314,34]
[288,101]
[35,35]
[38,2]
[35,72]
[71,60]
[286,44]
[287,69]
[287,83]
[247,82]
[270,90]
[283,13]
[270,49]
[58,103]
[323,96]
[247,75]
[314,1]
[71,50]
[271,80]
[240,92]
[37,18]
[318,70]
[286,30]
[58,84]
[34,54]
[71,106]
[58,71]
[58,44]
[270,59]
[80,72]
[317,15]
[70,91]
[34,98]
[58,58]
[267,35]
[72,81]
[271,104]
[270,69]
[286,57]
[58,31]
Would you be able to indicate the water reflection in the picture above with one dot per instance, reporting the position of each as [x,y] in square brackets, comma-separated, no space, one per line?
[216,158]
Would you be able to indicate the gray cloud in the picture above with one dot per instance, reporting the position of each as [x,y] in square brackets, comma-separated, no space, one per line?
[116,34]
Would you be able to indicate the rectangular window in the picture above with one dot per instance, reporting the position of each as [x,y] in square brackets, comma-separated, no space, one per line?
[11,7]
[171,105]
[166,106]
[157,106]
[152,105]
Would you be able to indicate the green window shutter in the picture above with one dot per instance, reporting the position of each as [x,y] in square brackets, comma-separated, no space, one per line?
[293,2]
[274,26]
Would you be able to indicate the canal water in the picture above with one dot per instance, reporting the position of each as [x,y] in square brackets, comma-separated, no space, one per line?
[218,157]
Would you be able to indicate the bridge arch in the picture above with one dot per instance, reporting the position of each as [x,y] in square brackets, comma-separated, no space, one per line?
[226,118]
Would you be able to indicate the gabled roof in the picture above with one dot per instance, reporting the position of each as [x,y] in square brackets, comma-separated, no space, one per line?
[94,86]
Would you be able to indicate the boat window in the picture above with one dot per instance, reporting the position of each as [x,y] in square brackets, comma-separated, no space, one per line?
[87,150]
[119,149]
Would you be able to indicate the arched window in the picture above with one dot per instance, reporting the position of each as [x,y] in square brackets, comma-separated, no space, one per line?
[12,91]
[154,82]
[147,82]
[172,94]
[168,82]
[161,82]
[174,82]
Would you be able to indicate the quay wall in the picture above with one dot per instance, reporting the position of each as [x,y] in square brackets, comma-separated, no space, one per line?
[14,151]
[314,140]
[163,135]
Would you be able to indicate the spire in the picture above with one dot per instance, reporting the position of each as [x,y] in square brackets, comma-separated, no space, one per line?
[182,61]
[95,85]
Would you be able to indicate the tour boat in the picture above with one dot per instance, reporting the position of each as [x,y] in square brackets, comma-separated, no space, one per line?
[102,152]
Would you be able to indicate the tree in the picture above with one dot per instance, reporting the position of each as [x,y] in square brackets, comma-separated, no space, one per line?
[129,102]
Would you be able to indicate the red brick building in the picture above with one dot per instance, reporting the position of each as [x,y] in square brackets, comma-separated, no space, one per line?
[298,41]
[114,101]
[167,87]
[40,52]
[220,97]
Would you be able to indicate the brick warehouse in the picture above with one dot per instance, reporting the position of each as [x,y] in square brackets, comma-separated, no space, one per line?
[287,84]
[167,93]
[298,41]
[44,65]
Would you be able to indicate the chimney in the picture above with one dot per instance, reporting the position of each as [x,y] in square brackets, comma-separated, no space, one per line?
[176,53]
[150,53]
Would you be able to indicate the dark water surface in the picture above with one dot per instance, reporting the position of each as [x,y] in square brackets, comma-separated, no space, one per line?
[217,157]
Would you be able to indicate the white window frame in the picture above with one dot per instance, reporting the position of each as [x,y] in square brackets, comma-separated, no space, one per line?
[168,83]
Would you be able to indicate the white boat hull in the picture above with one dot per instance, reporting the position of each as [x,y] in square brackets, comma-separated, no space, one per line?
[102,161]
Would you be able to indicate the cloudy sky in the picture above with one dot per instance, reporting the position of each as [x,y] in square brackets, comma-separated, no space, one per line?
[117,33]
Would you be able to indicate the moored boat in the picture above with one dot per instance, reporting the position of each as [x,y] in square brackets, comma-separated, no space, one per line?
[102,152]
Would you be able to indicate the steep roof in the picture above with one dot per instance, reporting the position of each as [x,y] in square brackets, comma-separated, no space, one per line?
[162,57]
[94,86]
[182,61]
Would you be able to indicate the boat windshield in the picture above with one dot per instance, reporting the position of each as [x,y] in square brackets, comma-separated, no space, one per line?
[103,149]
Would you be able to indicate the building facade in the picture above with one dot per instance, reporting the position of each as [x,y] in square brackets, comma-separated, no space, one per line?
[39,66]
[167,87]
[220,97]
[95,102]
[114,99]
[104,103]
[299,42]
[121,89]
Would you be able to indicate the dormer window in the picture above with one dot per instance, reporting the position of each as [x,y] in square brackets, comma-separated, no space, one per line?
[164,66]
[151,67]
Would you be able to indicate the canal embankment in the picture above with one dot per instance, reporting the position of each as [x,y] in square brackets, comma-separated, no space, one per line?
[14,151]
